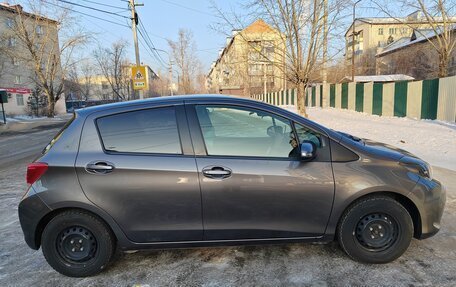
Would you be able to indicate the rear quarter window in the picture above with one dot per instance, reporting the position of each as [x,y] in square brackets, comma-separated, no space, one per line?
[58,135]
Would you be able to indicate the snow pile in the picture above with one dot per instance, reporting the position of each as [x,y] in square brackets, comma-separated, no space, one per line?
[433,141]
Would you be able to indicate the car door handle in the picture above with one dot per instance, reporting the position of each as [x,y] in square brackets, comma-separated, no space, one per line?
[217,172]
[100,167]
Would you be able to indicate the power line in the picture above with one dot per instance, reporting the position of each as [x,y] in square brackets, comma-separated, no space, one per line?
[152,50]
[88,15]
[106,5]
[190,8]
[141,25]
[92,8]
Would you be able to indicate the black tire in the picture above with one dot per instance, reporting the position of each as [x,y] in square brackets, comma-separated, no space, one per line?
[77,244]
[376,229]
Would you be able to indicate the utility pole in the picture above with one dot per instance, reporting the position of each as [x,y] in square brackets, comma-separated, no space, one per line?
[353,40]
[171,76]
[134,23]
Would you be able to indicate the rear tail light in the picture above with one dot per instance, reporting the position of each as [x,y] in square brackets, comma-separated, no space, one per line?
[35,170]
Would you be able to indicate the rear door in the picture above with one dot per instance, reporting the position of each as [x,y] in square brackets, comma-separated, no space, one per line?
[253,183]
[138,165]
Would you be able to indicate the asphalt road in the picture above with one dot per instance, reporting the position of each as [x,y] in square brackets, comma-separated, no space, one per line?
[430,262]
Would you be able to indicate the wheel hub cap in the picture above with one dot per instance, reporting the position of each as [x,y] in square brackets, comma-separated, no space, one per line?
[376,231]
[77,244]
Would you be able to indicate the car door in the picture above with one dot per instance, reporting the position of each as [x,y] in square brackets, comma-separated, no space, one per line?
[138,165]
[253,183]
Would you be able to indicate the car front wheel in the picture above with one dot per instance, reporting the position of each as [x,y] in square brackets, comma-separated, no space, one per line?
[77,244]
[376,229]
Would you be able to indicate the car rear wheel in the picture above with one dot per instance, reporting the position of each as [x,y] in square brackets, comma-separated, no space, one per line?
[77,244]
[376,229]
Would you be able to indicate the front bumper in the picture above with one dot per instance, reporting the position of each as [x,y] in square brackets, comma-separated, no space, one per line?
[31,210]
[433,198]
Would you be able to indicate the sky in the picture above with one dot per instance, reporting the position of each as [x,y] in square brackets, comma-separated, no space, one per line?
[162,20]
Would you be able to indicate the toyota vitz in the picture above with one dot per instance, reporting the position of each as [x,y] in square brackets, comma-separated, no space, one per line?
[215,170]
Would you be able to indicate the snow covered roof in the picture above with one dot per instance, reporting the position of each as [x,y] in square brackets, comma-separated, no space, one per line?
[380,78]
[418,36]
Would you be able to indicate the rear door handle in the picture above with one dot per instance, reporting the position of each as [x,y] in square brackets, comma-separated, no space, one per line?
[100,167]
[217,172]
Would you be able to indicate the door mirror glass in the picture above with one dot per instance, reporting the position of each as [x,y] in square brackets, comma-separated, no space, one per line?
[308,150]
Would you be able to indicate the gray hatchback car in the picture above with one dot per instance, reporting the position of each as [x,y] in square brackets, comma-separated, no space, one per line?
[216,170]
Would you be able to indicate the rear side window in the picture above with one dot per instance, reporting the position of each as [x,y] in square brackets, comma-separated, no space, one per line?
[58,135]
[145,131]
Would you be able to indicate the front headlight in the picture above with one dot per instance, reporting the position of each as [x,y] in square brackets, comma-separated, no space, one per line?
[417,165]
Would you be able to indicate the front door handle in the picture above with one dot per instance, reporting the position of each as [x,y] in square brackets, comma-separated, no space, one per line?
[217,172]
[100,167]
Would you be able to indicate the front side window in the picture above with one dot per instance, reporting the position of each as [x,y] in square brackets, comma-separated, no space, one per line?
[239,131]
[145,131]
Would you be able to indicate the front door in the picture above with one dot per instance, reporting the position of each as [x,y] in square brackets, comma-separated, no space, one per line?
[139,167]
[253,183]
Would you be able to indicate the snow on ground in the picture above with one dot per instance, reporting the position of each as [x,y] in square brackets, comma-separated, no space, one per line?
[26,118]
[433,141]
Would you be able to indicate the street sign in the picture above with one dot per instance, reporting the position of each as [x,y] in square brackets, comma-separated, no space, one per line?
[139,77]
[3,99]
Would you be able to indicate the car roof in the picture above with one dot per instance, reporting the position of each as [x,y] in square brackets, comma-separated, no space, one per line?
[166,99]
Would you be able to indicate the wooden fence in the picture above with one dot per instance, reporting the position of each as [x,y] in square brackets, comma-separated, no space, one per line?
[427,99]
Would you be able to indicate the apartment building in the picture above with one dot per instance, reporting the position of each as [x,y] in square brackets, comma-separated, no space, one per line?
[252,61]
[415,56]
[16,75]
[372,35]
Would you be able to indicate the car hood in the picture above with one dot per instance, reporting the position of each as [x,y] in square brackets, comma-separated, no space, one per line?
[377,149]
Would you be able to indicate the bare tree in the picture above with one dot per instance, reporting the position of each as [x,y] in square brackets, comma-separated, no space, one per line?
[115,67]
[303,25]
[438,17]
[183,51]
[34,40]
[81,79]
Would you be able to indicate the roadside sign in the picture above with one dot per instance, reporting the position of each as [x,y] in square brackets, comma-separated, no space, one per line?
[3,97]
[139,77]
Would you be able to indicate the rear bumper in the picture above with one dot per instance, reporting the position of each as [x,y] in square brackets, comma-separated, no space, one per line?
[432,207]
[31,210]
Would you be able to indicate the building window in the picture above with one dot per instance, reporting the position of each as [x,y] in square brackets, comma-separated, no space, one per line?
[404,31]
[391,31]
[380,31]
[18,80]
[20,100]
[39,30]
[9,23]
[12,42]
[15,61]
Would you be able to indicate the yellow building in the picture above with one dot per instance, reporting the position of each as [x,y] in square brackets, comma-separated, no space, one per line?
[373,34]
[252,61]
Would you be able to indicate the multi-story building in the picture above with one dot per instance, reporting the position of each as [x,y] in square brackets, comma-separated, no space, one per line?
[373,34]
[415,56]
[252,61]
[16,76]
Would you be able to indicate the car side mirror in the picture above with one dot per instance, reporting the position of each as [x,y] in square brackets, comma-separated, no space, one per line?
[308,150]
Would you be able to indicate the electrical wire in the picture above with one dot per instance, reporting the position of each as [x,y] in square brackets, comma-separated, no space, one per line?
[151,44]
[107,5]
[190,8]
[85,14]
[92,8]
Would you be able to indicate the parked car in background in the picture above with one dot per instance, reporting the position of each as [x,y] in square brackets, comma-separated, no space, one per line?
[215,170]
